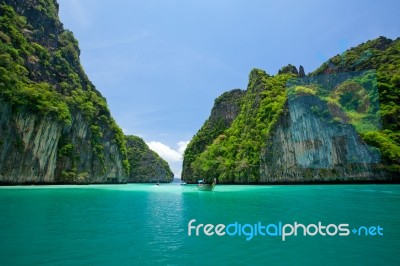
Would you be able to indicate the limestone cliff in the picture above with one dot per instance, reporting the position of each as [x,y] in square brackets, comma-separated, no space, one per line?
[307,146]
[146,165]
[55,127]
[338,124]
[225,110]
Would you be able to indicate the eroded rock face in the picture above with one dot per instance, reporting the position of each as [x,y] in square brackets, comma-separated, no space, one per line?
[28,146]
[31,150]
[307,146]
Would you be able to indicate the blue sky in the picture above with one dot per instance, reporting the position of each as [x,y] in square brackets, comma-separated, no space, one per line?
[161,64]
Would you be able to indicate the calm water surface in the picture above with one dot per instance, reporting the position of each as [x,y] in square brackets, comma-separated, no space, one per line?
[148,225]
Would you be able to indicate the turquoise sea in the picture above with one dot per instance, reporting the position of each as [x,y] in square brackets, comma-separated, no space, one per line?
[144,224]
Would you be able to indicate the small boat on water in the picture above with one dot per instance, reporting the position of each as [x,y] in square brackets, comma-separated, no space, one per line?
[202,185]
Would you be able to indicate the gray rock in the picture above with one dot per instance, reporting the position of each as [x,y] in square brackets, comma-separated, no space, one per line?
[30,150]
[301,72]
[306,147]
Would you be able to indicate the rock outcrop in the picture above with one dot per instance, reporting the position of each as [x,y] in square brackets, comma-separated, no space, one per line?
[225,110]
[146,165]
[288,69]
[301,72]
[307,146]
[342,126]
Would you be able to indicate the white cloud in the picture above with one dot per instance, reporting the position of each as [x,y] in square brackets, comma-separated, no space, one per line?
[182,146]
[172,156]
[165,151]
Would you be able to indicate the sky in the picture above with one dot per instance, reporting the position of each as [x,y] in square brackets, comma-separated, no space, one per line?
[161,63]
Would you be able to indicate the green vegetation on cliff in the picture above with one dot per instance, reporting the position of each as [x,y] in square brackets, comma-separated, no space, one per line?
[234,156]
[17,54]
[146,165]
[226,108]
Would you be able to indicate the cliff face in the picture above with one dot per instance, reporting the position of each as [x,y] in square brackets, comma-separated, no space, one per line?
[55,127]
[225,110]
[307,147]
[339,123]
[40,149]
[89,154]
[146,165]
[28,146]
